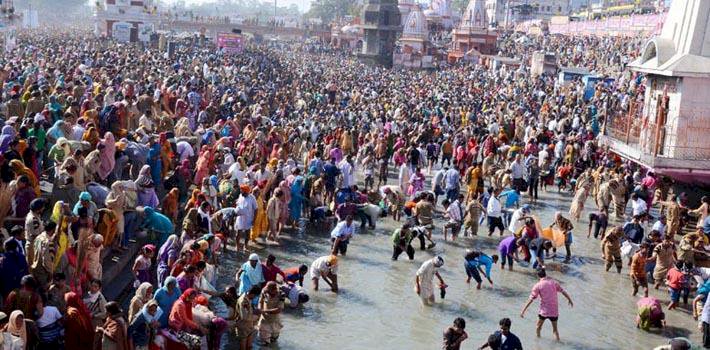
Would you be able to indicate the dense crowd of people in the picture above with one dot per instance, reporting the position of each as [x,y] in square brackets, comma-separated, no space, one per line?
[104,146]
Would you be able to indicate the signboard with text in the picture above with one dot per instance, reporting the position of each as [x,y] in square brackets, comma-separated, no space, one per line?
[230,43]
[121,31]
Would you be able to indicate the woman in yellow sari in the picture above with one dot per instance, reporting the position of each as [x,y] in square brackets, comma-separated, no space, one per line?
[63,238]
[91,136]
[473,179]
[261,223]
[107,226]
[20,169]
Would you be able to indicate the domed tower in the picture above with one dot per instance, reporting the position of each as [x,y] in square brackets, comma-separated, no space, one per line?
[415,33]
[472,35]
[414,43]
[405,7]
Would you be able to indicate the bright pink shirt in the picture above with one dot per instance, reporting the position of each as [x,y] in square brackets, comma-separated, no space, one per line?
[547,290]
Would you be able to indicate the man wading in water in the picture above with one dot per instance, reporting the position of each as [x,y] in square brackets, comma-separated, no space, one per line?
[424,282]
[546,289]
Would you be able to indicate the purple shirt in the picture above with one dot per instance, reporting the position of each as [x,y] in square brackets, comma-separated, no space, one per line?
[336,153]
[546,289]
[507,246]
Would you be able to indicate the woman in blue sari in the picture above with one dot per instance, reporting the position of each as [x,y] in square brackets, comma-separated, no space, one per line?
[250,274]
[166,296]
[156,165]
[295,206]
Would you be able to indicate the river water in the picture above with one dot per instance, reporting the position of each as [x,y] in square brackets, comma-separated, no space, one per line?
[376,307]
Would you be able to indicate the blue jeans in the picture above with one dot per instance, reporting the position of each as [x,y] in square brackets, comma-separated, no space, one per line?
[541,257]
[472,271]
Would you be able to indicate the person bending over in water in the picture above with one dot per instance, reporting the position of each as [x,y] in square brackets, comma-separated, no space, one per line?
[424,282]
[473,262]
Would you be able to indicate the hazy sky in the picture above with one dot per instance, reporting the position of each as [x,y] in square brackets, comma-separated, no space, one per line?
[302,4]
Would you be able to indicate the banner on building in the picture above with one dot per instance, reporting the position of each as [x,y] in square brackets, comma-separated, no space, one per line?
[121,31]
[10,39]
[230,43]
[145,30]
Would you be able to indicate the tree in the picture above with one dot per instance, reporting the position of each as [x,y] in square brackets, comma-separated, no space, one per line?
[328,10]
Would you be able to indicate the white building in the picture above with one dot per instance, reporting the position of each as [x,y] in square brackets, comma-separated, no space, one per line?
[509,12]
[495,9]
[671,133]
[125,20]
[414,42]
[9,21]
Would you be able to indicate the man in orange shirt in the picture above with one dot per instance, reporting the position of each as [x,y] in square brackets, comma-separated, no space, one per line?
[638,270]
[447,151]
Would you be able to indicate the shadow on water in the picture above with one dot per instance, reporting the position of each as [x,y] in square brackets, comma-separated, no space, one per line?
[673,332]
[351,296]
[369,262]
[507,292]
[453,310]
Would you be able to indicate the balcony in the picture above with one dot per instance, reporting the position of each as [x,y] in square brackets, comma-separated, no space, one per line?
[673,152]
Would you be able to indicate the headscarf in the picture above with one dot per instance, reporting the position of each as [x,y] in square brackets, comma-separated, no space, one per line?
[73,300]
[20,169]
[8,134]
[107,155]
[57,130]
[155,163]
[142,292]
[144,179]
[63,144]
[186,294]
[20,331]
[146,315]
[205,216]
[170,243]
[169,280]
[254,274]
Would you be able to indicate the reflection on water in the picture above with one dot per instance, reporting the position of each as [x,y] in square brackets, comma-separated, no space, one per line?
[377,308]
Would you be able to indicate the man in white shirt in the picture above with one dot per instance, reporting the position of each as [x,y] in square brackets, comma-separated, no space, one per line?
[452,180]
[246,210]
[237,172]
[454,212]
[325,267]
[494,212]
[660,226]
[184,150]
[516,221]
[341,234]
[638,205]
[347,171]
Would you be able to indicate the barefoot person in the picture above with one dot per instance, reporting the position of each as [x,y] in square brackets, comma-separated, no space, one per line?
[473,263]
[424,282]
[546,289]
[325,267]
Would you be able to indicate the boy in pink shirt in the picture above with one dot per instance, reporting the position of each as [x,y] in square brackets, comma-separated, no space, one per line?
[546,289]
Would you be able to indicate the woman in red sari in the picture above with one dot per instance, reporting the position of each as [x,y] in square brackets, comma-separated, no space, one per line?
[77,324]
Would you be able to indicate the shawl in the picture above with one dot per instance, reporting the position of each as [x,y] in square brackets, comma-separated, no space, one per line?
[254,274]
[107,155]
[148,317]
[8,134]
[20,169]
[73,301]
[17,331]
[170,244]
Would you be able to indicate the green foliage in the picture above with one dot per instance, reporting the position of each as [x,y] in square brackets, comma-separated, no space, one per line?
[458,6]
[328,10]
